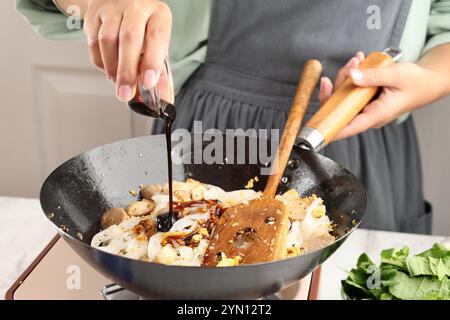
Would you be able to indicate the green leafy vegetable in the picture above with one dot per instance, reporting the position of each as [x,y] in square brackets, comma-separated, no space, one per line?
[429,266]
[387,296]
[395,257]
[419,288]
[437,251]
[421,277]
[364,262]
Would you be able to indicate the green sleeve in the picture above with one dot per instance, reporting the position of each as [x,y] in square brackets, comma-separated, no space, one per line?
[47,20]
[189,31]
[189,37]
[438,24]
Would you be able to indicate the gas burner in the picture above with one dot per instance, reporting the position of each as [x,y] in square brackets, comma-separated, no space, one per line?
[113,291]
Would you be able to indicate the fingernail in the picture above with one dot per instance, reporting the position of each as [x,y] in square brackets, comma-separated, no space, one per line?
[356,74]
[149,79]
[350,62]
[124,93]
[322,83]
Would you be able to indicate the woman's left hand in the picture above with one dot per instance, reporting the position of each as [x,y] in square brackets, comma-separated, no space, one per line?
[405,86]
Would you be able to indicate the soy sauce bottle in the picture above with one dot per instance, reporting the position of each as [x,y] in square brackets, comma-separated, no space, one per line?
[148,103]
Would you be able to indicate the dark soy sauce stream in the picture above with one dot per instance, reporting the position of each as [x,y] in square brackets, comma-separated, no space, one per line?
[165,221]
[168,114]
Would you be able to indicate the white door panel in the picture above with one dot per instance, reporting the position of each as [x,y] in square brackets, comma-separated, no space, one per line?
[54,105]
[76,111]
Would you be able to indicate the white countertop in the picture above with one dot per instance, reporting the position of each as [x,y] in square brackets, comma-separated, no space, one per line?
[25,231]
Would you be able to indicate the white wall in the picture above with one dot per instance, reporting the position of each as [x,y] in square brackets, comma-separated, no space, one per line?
[433,128]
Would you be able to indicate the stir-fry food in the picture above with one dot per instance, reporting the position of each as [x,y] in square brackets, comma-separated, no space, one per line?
[132,231]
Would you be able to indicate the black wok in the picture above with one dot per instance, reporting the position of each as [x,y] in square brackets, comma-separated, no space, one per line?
[81,189]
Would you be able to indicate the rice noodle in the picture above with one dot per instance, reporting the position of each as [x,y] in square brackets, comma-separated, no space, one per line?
[308,220]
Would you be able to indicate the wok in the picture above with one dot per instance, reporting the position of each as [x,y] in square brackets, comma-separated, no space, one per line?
[77,193]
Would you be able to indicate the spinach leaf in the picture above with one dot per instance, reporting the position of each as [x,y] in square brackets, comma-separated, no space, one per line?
[419,288]
[429,266]
[387,296]
[355,291]
[424,276]
[437,251]
[388,276]
[358,276]
[364,262]
[395,257]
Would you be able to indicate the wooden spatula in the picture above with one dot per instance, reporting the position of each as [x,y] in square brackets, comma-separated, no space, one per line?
[256,232]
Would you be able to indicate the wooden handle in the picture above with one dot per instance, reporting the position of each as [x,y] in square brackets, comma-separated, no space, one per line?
[347,101]
[305,89]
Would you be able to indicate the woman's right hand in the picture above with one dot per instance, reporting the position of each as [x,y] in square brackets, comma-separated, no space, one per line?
[130,39]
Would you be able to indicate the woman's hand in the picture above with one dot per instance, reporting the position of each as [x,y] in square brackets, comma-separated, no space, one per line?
[406,87]
[128,39]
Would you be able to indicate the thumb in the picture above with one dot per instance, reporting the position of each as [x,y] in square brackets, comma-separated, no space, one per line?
[379,77]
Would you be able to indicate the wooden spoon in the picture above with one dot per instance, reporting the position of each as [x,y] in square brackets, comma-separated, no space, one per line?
[256,232]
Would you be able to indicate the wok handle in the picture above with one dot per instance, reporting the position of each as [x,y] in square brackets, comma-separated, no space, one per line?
[305,89]
[345,103]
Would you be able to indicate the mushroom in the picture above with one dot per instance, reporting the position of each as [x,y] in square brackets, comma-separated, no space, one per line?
[182,195]
[113,216]
[176,185]
[150,190]
[197,193]
[193,182]
[318,241]
[140,208]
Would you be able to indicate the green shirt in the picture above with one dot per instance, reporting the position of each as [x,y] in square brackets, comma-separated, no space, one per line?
[427,26]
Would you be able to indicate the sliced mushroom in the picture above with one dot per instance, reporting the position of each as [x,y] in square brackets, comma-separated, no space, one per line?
[182,196]
[140,208]
[296,210]
[193,182]
[318,242]
[176,185]
[150,190]
[113,216]
[197,193]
